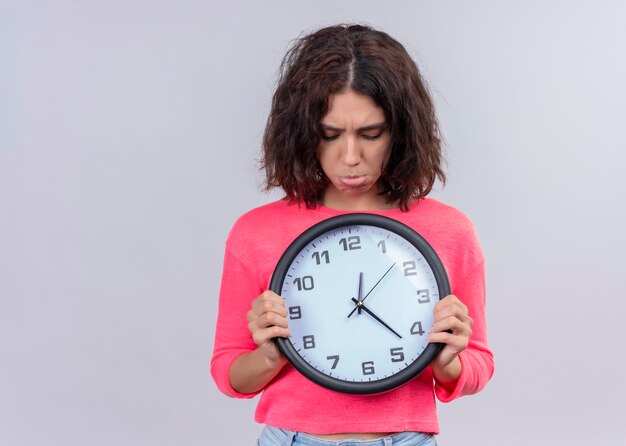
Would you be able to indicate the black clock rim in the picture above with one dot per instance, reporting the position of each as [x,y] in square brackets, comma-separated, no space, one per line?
[364,219]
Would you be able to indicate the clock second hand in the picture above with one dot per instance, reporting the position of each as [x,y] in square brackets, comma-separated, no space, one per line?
[370,291]
[368,311]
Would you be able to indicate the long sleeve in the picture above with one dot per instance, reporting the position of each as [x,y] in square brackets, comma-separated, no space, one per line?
[232,337]
[477,365]
[254,245]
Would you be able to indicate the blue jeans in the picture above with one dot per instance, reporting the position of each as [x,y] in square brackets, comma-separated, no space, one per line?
[272,436]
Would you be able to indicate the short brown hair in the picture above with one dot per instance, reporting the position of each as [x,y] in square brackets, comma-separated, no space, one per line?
[336,59]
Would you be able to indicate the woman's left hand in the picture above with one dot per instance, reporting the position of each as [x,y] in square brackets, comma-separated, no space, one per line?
[452,326]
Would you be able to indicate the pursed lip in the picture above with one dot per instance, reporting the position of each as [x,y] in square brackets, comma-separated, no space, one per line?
[353,181]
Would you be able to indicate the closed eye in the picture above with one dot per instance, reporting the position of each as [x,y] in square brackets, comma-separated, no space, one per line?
[371,137]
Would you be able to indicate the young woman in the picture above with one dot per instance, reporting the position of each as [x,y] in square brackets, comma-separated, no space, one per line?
[352,128]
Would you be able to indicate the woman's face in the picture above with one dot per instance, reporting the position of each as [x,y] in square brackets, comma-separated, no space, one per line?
[354,147]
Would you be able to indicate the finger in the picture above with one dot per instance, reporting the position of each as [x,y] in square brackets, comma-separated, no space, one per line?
[268,296]
[266,307]
[267,320]
[454,308]
[455,343]
[453,314]
[454,325]
[265,335]
[267,302]
[450,301]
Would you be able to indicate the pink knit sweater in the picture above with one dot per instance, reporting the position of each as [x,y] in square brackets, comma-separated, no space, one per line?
[291,401]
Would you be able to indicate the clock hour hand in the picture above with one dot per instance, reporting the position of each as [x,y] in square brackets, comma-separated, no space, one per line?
[370,291]
[361,306]
[360,297]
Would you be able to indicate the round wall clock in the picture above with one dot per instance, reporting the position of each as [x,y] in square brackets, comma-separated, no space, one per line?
[360,290]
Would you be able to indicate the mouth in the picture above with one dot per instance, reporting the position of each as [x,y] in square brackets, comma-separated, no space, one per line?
[353,181]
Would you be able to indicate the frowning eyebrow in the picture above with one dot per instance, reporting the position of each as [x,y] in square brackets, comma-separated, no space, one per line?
[376,126]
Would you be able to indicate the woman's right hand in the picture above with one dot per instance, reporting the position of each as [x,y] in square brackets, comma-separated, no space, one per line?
[267,319]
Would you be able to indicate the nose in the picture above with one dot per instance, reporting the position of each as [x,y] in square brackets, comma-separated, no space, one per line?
[351,153]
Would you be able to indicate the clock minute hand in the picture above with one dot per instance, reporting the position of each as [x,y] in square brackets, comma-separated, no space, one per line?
[370,291]
[368,311]
[379,280]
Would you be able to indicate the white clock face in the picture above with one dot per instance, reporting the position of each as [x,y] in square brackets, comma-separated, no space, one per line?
[360,301]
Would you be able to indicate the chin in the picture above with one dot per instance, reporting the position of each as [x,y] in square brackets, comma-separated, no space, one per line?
[355,191]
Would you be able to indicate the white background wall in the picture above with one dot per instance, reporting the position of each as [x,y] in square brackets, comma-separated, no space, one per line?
[129,133]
